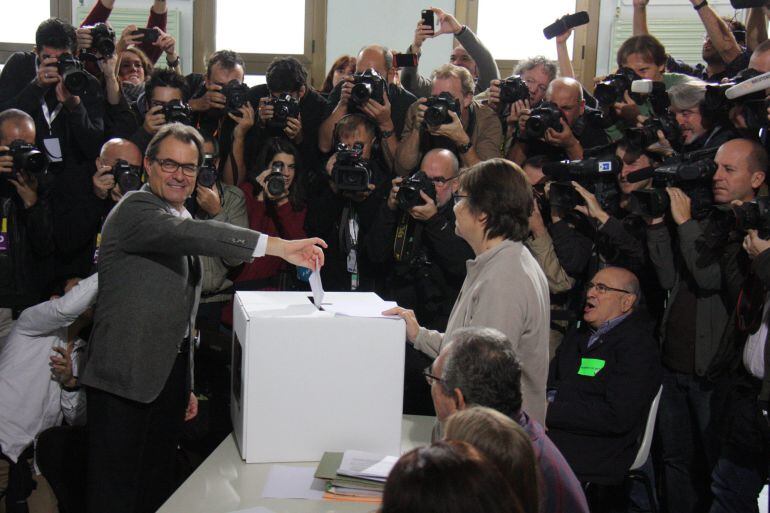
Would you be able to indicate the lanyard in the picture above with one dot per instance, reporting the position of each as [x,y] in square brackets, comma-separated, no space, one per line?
[50,116]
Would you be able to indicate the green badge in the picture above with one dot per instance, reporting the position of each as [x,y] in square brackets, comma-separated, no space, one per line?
[590,366]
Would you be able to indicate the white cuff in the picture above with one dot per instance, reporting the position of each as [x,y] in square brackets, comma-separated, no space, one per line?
[261,248]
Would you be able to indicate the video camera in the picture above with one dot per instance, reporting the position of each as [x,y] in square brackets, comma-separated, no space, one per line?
[641,137]
[207,174]
[513,89]
[26,159]
[176,111]
[73,76]
[726,219]
[613,88]
[275,182]
[367,85]
[284,107]
[408,194]
[692,172]
[655,92]
[351,171]
[128,177]
[597,174]
[544,116]
[746,89]
[236,96]
[439,108]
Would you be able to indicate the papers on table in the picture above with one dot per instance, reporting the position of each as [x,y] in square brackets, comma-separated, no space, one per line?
[362,305]
[285,482]
[365,465]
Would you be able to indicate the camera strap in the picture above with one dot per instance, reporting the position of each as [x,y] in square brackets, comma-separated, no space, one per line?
[402,243]
[48,115]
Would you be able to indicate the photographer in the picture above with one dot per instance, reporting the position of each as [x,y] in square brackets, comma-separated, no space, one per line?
[26,236]
[69,126]
[299,116]
[700,128]
[693,323]
[414,237]
[467,128]
[165,88]
[568,131]
[469,53]
[723,47]
[388,115]
[537,73]
[344,201]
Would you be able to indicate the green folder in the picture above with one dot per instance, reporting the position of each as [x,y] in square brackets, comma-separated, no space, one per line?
[327,470]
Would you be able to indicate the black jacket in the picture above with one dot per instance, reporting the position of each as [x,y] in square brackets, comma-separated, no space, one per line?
[597,421]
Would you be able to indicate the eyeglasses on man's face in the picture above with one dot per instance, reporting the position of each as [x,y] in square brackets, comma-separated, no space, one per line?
[429,377]
[457,198]
[170,166]
[601,288]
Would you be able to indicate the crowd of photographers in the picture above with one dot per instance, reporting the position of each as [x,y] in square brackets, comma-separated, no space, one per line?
[658,169]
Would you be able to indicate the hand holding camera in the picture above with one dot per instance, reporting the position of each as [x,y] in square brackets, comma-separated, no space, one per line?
[167,43]
[244,122]
[26,187]
[681,205]
[208,199]
[421,33]
[154,119]
[213,99]
[565,139]
[592,208]
[445,23]
[273,183]
[754,244]
[103,182]
[48,72]
[393,196]
[379,112]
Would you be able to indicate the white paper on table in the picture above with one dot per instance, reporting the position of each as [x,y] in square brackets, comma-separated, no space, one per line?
[381,469]
[355,307]
[285,482]
[366,465]
[258,509]
[317,288]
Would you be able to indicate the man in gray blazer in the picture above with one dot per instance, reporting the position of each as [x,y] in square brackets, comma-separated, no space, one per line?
[138,370]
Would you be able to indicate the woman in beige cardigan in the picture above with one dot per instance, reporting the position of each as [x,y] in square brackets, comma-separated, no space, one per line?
[504,287]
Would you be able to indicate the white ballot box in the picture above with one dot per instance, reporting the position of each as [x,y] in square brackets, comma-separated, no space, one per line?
[306,381]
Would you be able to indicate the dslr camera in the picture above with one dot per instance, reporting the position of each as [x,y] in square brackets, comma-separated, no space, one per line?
[692,172]
[275,182]
[613,88]
[725,220]
[351,171]
[718,101]
[439,108]
[284,107]
[544,116]
[207,174]
[74,77]
[26,159]
[236,96]
[128,177]
[367,85]
[103,39]
[176,111]
[513,89]
[646,135]
[408,194]
[597,174]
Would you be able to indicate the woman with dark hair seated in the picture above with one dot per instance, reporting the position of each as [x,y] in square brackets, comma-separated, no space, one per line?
[276,206]
[344,65]
[504,287]
[447,477]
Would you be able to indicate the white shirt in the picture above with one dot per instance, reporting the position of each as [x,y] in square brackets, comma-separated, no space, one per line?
[259,251]
[754,350]
[30,400]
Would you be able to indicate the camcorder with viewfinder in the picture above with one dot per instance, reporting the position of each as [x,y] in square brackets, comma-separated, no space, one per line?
[351,172]
[597,174]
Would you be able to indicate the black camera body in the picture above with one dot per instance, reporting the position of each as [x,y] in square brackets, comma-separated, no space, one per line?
[691,172]
[236,96]
[408,194]
[176,111]
[351,171]
[207,174]
[439,108]
[716,103]
[26,159]
[284,107]
[513,89]
[597,174]
[103,39]
[367,85]
[74,77]
[646,135]
[275,182]
[613,88]
[544,116]
[128,177]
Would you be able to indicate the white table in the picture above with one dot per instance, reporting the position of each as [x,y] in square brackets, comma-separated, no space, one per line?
[225,483]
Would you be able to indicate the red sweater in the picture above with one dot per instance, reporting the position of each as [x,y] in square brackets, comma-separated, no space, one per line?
[99,14]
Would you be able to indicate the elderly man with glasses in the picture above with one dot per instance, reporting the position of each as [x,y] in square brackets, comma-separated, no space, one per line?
[602,381]
[138,368]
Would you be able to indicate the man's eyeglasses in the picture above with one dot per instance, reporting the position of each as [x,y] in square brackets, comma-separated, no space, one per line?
[601,288]
[430,378]
[458,197]
[170,166]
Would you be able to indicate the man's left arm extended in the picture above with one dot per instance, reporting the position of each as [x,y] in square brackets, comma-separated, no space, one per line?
[59,312]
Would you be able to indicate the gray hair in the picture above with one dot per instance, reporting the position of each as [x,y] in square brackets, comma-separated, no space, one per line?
[386,54]
[180,132]
[687,94]
[451,71]
[481,363]
[534,62]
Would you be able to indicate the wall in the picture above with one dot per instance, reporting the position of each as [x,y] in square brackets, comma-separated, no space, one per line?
[184,48]
[351,24]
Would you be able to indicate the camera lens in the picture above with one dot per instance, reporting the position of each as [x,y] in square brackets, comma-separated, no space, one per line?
[361,93]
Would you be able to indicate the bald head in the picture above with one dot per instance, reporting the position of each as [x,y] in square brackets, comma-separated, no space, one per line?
[612,292]
[741,168]
[567,93]
[120,149]
[375,56]
[16,125]
[441,166]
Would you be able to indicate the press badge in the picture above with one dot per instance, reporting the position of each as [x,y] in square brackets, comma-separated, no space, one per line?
[96,250]
[52,148]
[590,367]
[4,243]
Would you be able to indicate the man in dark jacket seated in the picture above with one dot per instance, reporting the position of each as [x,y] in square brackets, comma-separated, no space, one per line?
[602,382]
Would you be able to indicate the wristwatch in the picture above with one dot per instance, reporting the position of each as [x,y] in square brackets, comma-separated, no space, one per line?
[465,147]
[386,133]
